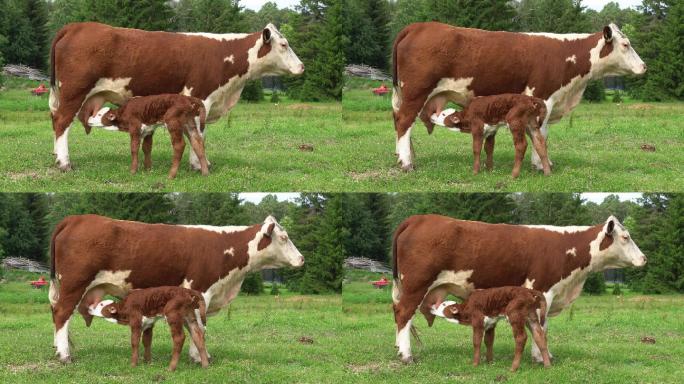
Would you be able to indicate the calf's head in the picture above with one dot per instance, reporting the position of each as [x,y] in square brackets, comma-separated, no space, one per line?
[280,59]
[278,250]
[450,311]
[614,247]
[621,58]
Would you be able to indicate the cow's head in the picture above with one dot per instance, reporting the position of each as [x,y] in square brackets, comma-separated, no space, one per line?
[280,59]
[619,250]
[621,59]
[280,252]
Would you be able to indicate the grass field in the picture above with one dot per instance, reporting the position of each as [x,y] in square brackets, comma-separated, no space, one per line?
[257,148]
[596,148]
[257,340]
[597,340]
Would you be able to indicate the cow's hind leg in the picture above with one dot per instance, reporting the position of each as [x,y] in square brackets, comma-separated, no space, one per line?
[197,144]
[518,131]
[62,312]
[539,338]
[62,119]
[404,311]
[539,147]
[544,129]
[194,353]
[197,336]
[536,352]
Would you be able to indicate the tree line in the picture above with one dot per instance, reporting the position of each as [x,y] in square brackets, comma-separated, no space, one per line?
[655,28]
[313,28]
[327,228]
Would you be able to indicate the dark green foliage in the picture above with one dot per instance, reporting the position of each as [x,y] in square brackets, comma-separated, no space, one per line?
[253,91]
[557,16]
[366,24]
[213,16]
[595,284]
[595,91]
[253,284]
[37,14]
[617,97]
[552,209]
[275,290]
[617,291]
[210,209]
[23,225]
[275,98]
[269,13]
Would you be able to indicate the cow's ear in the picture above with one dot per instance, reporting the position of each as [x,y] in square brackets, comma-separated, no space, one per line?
[267,229]
[610,226]
[608,33]
[266,35]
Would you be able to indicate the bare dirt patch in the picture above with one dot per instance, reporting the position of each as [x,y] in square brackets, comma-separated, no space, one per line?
[30,367]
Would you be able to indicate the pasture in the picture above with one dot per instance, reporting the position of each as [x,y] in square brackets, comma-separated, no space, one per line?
[597,340]
[596,148]
[257,339]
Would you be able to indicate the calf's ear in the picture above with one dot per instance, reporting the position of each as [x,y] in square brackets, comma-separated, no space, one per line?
[608,33]
[266,35]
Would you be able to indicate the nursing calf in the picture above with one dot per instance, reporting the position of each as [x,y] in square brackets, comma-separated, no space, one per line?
[520,306]
[181,115]
[522,114]
[142,307]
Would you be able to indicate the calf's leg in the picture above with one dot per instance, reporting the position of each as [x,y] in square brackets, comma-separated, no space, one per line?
[176,133]
[489,343]
[178,336]
[518,131]
[135,339]
[197,143]
[539,144]
[197,336]
[477,149]
[147,343]
[520,337]
[135,147]
[147,151]
[539,337]
[489,150]
[478,330]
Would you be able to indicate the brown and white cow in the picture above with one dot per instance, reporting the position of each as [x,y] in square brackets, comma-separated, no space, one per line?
[94,255]
[94,63]
[436,63]
[436,255]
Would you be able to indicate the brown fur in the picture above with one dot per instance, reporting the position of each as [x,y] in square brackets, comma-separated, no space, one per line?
[176,304]
[499,62]
[176,111]
[518,304]
[156,254]
[523,114]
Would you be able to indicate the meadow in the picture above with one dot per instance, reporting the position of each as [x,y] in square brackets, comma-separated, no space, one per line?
[597,340]
[333,147]
[266,339]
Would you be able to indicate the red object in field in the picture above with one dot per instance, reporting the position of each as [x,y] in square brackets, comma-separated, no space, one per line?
[381,90]
[380,283]
[39,283]
[40,90]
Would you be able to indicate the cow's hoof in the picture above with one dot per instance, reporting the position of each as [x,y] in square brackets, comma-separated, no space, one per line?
[407,359]
[64,359]
[64,167]
[407,167]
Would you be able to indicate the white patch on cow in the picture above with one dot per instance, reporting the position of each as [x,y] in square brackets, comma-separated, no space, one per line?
[230,58]
[560,36]
[490,130]
[187,284]
[529,91]
[217,36]
[396,98]
[62,147]
[404,147]
[572,59]
[229,251]
[53,292]
[457,281]
[571,252]
[114,281]
[553,228]
[148,322]
[62,341]
[187,91]
[146,130]
[396,290]
[224,290]
[226,229]
[529,284]
[53,101]
[194,352]
[567,290]
[457,90]
[404,340]
[490,322]
[117,87]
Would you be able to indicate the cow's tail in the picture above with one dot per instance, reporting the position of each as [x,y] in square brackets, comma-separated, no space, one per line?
[396,281]
[396,90]
[53,294]
[201,310]
[54,84]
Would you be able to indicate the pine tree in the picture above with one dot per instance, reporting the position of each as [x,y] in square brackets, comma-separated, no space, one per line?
[493,15]
[212,16]
[36,206]
[378,12]
[253,284]
[211,209]
[557,16]
[37,14]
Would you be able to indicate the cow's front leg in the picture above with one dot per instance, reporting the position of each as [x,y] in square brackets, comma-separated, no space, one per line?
[194,354]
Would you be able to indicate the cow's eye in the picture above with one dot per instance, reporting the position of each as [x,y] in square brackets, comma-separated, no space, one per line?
[626,45]
[626,237]
[283,238]
[284,45]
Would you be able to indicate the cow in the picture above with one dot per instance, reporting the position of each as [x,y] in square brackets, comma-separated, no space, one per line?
[521,307]
[92,256]
[139,116]
[522,114]
[93,63]
[436,63]
[434,256]
[143,307]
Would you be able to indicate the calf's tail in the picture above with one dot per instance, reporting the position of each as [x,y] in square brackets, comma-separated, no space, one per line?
[540,300]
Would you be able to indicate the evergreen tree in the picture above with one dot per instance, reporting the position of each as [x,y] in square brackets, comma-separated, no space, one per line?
[253,284]
[211,209]
[20,46]
[552,209]
[36,206]
[363,47]
[212,16]
[557,16]
[595,92]
[595,284]
[37,14]
[253,91]
[493,15]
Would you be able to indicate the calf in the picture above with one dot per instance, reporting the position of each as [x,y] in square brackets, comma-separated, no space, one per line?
[520,306]
[141,308]
[522,114]
[140,116]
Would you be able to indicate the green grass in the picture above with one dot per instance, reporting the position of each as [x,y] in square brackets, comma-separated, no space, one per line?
[256,148]
[596,148]
[256,340]
[597,340]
